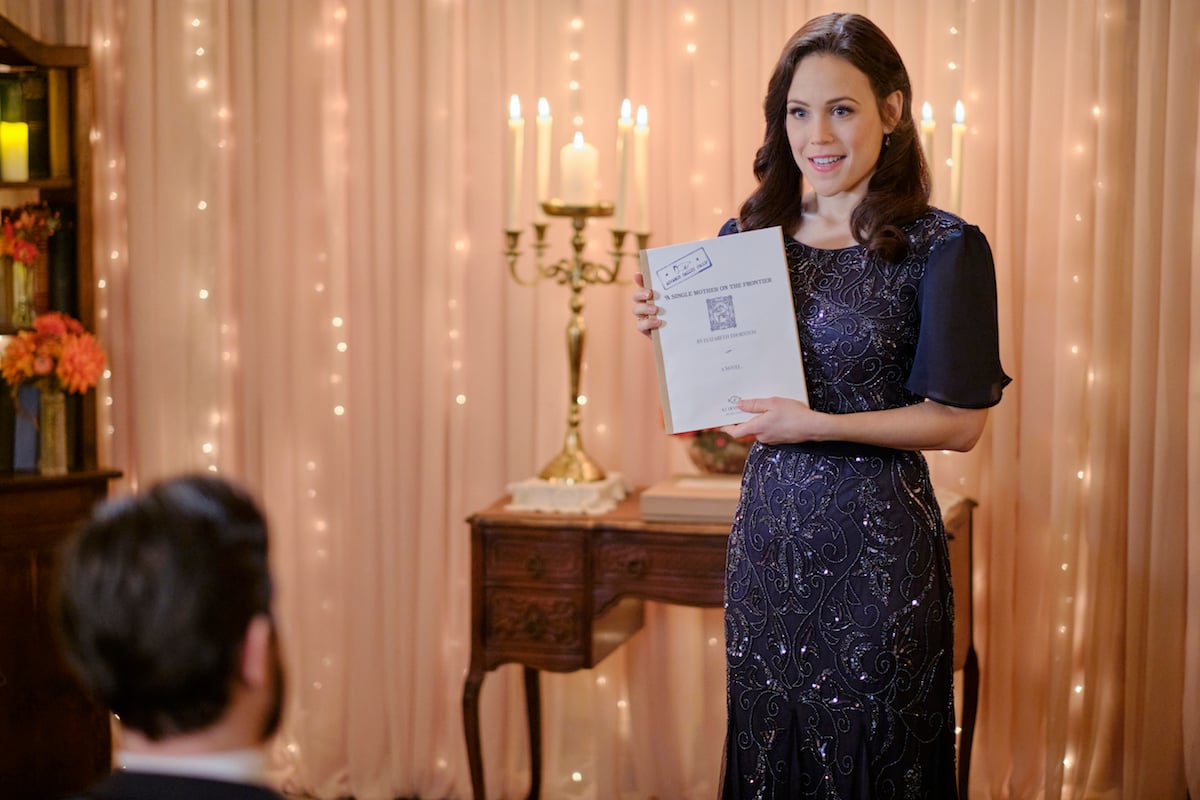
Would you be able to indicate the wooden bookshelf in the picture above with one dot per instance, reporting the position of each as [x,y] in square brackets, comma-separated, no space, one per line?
[57,737]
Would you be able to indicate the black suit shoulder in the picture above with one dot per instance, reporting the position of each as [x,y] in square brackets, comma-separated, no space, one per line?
[126,785]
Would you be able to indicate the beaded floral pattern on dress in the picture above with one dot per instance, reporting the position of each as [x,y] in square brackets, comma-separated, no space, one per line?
[839,615]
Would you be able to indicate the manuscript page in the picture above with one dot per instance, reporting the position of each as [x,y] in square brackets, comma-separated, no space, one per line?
[729,327]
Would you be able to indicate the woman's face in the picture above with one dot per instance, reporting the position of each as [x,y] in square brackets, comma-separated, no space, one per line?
[833,124]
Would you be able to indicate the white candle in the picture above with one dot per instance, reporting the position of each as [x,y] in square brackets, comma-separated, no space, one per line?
[544,121]
[641,137]
[516,145]
[927,126]
[580,162]
[14,151]
[624,131]
[957,131]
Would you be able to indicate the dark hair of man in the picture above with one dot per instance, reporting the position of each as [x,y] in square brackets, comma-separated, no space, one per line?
[155,596]
[898,191]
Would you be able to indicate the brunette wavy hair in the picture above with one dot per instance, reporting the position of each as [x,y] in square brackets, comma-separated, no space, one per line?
[898,191]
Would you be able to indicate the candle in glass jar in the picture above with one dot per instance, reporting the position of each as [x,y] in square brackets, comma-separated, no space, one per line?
[927,126]
[641,138]
[14,151]
[516,146]
[579,162]
[957,131]
[624,131]
[544,121]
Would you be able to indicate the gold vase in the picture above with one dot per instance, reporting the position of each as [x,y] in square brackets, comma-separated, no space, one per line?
[52,433]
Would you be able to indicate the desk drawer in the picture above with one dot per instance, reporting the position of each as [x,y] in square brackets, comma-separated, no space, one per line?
[674,568]
[531,619]
[550,558]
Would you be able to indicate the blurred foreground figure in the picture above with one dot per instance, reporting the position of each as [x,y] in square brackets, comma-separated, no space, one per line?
[164,608]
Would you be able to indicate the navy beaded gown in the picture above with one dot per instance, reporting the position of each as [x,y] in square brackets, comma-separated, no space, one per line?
[838,608]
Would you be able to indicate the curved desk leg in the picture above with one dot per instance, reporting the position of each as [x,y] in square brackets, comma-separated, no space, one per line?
[471,729]
[533,709]
[970,702]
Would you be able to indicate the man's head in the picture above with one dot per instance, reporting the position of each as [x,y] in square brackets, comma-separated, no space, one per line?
[164,609]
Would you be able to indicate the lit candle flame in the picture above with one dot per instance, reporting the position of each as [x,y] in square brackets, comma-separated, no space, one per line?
[626,110]
[959,113]
[514,107]
[543,107]
[926,111]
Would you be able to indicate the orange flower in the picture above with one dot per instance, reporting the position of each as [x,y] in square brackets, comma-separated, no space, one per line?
[16,365]
[23,251]
[57,354]
[55,324]
[81,363]
[23,237]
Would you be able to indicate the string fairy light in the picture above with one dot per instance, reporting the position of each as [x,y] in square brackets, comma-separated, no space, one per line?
[210,117]
[109,228]
[330,295]
[575,67]
[1067,722]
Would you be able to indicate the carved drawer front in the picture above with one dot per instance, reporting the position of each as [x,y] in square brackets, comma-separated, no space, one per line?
[533,619]
[552,557]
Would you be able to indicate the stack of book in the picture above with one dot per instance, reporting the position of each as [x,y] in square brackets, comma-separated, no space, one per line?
[692,498]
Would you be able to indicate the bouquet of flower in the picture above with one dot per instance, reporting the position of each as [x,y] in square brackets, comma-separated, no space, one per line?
[714,450]
[24,235]
[57,355]
[24,232]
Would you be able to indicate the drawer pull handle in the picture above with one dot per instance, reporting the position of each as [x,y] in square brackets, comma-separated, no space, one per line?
[636,567]
[535,625]
[535,566]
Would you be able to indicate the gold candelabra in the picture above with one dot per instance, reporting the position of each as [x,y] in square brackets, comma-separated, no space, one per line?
[572,464]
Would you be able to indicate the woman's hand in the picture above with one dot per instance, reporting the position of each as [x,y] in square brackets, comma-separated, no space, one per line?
[922,426]
[780,420]
[644,308]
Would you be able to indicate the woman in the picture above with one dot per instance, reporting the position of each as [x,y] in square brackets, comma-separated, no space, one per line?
[838,608]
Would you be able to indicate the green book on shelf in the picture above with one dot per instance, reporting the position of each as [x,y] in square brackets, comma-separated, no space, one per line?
[35,92]
[6,310]
[12,103]
[60,257]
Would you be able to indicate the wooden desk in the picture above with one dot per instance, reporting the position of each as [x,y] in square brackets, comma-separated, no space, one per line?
[560,592]
[956,518]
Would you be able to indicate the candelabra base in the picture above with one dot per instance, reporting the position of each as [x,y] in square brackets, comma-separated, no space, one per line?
[556,497]
[572,465]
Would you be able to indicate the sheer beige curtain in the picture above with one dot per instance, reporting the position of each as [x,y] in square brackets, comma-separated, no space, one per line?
[299,208]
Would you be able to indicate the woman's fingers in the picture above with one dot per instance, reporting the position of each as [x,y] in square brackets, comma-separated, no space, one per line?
[644,309]
[641,294]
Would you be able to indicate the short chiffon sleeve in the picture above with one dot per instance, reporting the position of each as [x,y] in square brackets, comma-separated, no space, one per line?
[957,360]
